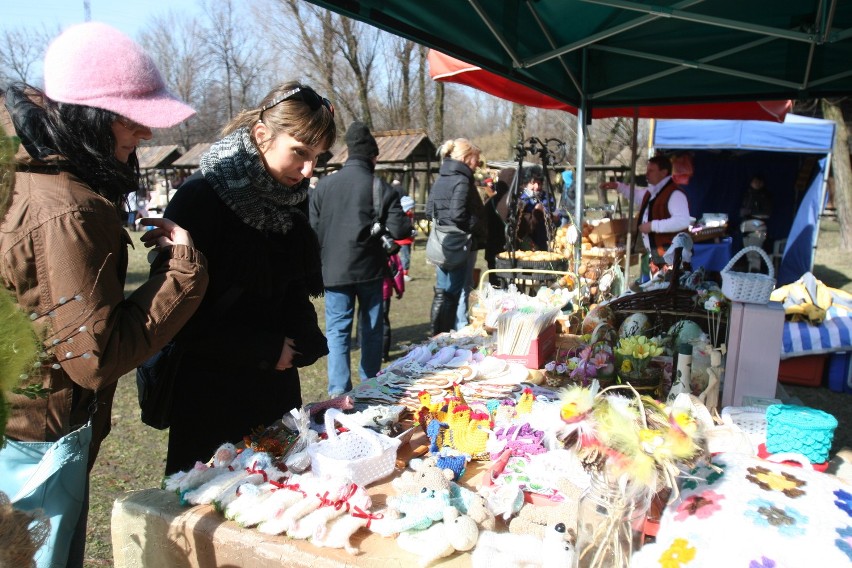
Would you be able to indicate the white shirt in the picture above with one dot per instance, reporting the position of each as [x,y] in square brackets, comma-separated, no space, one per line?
[678,208]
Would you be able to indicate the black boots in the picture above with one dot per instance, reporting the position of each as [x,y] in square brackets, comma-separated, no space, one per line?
[443,315]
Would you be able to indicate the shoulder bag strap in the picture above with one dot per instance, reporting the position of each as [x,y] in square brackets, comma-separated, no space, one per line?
[377,200]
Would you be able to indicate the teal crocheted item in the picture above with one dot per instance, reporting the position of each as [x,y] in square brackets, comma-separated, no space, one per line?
[799,429]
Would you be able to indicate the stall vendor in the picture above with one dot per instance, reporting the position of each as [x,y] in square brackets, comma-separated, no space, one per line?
[663,207]
[537,203]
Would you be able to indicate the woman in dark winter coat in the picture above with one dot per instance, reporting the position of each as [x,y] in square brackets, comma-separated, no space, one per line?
[247,209]
[454,201]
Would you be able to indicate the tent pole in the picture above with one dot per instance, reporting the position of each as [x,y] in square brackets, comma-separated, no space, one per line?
[628,245]
[580,176]
[580,183]
[825,173]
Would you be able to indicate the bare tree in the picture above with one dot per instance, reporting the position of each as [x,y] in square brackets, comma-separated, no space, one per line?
[21,50]
[422,98]
[175,42]
[357,45]
[400,80]
[230,39]
[311,47]
[438,127]
[517,127]
[342,60]
[608,144]
[842,172]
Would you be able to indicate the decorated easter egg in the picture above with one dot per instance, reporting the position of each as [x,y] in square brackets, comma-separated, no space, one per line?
[634,324]
[597,315]
[685,331]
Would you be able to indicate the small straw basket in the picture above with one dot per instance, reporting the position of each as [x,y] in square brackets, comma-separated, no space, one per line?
[748,287]
[360,454]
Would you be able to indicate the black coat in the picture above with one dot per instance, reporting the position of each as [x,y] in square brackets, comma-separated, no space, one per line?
[257,296]
[454,200]
[342,214]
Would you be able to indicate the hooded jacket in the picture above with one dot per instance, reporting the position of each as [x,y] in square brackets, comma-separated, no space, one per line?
[342,215]
[63,254]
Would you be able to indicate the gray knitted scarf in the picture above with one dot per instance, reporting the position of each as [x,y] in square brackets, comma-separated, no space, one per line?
[234,168]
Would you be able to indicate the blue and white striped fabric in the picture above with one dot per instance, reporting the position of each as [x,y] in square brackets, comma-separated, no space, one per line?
[802,338]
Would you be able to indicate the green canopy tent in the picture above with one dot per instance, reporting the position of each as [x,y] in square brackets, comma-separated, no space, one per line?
[618,53]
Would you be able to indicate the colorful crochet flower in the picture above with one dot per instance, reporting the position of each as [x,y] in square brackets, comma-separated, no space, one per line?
[701,506]
[704,474]
[844,501]
[844,543]
[787,521]
[678,554]
[769,480]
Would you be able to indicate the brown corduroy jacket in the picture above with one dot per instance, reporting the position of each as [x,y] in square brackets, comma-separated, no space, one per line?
[63,253]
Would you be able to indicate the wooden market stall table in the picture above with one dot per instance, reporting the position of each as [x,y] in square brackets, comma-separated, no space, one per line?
[150,528]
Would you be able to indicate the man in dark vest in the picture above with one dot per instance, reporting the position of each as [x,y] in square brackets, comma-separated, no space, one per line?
[663,207]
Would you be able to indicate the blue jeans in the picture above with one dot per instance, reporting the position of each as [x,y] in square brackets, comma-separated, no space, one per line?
[405,256]
[458,282]
[339,315]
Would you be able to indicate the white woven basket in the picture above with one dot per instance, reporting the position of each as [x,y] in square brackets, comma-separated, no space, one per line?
[360,454]
[750,419]
[748,287]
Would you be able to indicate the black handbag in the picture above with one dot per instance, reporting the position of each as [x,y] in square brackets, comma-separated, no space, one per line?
[155,378]
[155,382]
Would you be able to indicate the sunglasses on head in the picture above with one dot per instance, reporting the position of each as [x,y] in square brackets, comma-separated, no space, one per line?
[305,94]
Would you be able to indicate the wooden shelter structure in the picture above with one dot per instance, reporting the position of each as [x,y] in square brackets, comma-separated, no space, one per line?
[403,154]
[192,158]
[157,159]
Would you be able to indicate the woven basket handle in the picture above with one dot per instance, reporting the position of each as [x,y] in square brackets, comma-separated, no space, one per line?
[676,271]
[745,250]
[333,414]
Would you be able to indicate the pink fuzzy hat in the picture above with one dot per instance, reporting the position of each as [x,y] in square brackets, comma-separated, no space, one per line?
[96,65]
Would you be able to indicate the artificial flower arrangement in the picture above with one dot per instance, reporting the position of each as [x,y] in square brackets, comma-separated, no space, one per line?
[717,306]
[634,354]
[633,447]
[581,365]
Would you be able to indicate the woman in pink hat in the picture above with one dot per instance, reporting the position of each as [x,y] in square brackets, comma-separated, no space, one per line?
[64,248]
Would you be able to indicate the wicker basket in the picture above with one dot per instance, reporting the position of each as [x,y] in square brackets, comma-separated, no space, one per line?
[360,454]
[664,307]
[748,287]
[750,419]
[555,265]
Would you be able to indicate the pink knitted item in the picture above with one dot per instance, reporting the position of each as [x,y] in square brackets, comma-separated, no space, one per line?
[96,65]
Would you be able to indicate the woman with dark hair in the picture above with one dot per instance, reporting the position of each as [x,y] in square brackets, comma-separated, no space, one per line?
[247,209]
[63,245]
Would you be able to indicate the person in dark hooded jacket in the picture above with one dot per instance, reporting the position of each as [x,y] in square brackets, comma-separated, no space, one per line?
[354,264]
